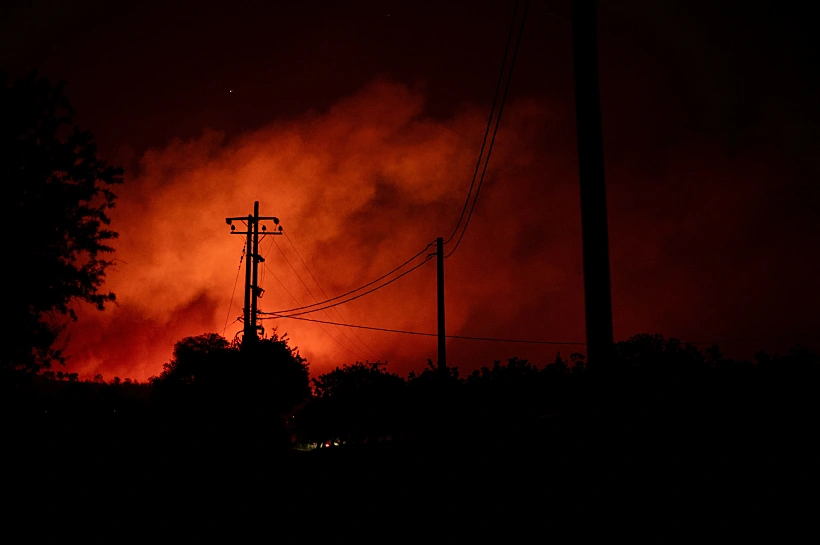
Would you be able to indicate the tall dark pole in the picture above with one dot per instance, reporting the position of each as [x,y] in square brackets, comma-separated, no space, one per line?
[248,330]
[442,345]
[252,259]
[598,300]
[255,254]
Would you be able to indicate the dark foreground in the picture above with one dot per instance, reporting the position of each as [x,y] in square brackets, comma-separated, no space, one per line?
[690,472]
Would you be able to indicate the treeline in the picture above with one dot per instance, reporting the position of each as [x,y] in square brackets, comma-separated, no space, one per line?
[661,416]
[211,397]
[212,392]
[652,383]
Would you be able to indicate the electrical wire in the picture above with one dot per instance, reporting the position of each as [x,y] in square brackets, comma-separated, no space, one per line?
[464,337]
[528,341]
[311,293]
[326,296]
[270,247]
[489,124]
[301,312]
[365,285]
[298,303]
[260,284]
[228,325]
[235,282]
[495,130]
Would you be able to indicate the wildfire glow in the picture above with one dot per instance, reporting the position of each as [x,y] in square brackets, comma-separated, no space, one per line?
[368,183]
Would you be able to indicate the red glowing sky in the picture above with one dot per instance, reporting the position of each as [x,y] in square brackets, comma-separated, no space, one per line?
[359,126]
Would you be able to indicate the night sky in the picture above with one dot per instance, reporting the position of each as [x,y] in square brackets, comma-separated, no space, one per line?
[358,124]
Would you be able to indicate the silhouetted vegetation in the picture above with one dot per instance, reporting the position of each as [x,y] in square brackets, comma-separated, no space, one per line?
[661,382]
[673,418]
[212,391]
[57,192]
[660,407]
[354,404]
[219,389]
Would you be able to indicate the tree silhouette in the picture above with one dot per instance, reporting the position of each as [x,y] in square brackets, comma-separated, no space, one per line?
[57,192]
[507,392]
[213,391]
[355,403]
[438,401]
[200,360]
[208,370]
[279,375]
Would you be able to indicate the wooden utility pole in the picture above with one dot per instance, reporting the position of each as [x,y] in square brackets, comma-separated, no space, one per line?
[598,299]
[256,259]
[252,289]
[246,314]
[442,344]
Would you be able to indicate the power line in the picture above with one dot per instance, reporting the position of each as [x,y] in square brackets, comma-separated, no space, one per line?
[325,294]
[489,124]
[465,337]
[365,285]
[235,282]
[262,274]
[273,316]
[302,310]
[228,325]
[495,130]
[311,293]
[270,247]
[281,284]
[282,313]
[298,303]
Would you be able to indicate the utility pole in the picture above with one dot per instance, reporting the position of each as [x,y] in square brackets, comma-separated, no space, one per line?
[597,295]
[252,289]
[246,314]
[442,345]
[256,258]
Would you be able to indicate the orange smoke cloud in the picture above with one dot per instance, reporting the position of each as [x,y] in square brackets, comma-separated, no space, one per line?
[358,189]
[367,184]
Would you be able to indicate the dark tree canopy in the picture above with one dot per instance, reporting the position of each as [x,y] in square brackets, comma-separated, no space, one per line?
[57,197]
[354,404]
[200,360]
[359,379]
[270,377]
